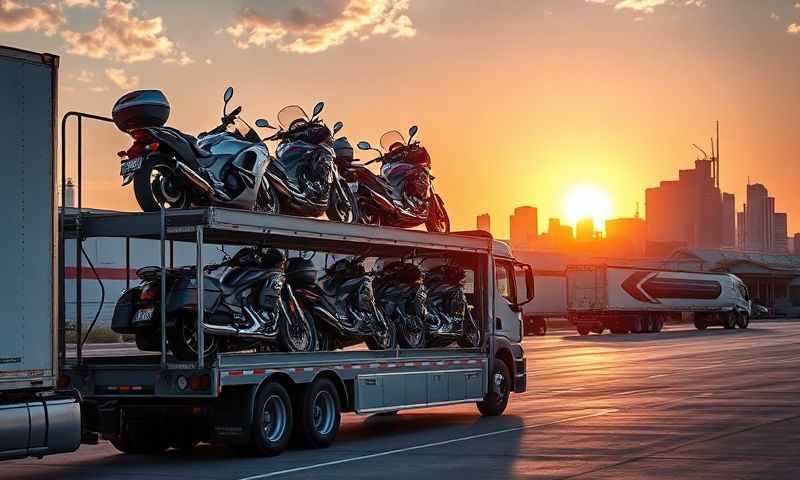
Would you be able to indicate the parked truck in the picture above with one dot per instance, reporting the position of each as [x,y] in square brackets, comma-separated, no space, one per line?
[255,400]
[36,418]
[637,300]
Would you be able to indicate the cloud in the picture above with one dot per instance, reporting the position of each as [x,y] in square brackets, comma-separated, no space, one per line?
[122,36]
[774,16]
[121,79]
[647,6]
[84,76]
[300,29]
[793,29]
[16,16]
[81,3]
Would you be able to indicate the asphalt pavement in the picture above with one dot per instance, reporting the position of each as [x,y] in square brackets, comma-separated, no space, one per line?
[718,404]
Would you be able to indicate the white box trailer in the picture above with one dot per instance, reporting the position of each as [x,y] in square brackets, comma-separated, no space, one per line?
[629,299]
[550,301]
[35,418]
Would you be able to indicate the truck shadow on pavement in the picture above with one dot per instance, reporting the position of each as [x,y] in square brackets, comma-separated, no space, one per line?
[669,335]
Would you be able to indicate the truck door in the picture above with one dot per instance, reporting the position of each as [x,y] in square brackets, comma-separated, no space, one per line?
[508,319]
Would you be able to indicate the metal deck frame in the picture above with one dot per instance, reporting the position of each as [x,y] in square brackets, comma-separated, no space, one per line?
[237,227]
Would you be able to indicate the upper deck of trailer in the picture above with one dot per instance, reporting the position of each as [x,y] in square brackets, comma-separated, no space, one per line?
[221,225]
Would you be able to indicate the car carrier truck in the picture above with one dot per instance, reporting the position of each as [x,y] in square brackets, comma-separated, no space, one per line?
[640,300]
[258,401]
[36,418]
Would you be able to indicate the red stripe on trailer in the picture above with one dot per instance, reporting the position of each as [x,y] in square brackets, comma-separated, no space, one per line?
[105,273]
[236,373]
[259,371]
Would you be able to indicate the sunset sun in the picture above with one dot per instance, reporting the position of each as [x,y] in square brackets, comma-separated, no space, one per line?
[585,201]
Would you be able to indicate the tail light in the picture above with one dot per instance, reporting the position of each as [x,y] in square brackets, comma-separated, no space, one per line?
[142,142]
[63,381]
[194,382]
[148,294]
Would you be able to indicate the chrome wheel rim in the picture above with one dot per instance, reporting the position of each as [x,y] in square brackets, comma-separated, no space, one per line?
[500,385]
[274,418]
[324,412]
[189,334]
[164,192]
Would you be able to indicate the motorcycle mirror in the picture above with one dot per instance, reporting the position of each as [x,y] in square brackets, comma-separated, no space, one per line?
[318,108]
[228,94]
[411,132]
[261,123]
[337,126]
[364,145]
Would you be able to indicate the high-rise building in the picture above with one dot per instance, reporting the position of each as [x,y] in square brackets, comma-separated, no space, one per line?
[627,236]
[686,212]
[796,242]
[523,227]
[780,243]
[741,228]
[728,220]
[484,222]
[584,229]
[760,228]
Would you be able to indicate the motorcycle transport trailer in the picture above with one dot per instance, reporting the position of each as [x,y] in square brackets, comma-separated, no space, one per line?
[145,403]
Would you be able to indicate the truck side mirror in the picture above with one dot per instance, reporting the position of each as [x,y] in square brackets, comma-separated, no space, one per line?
[529,283]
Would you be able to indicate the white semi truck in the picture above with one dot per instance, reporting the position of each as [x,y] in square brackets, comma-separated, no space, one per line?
[36,418]
[636,300]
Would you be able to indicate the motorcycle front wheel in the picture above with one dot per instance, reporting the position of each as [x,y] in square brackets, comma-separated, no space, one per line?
[342,208]
[154,185]
[296,330]
[412,332]
[385,340]
[438,220]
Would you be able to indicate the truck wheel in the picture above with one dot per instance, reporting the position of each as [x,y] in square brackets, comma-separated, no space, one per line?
[635,326]
[318,414]
[700,322]
[583,331]
[729,320]
[659,325]
[618,330]
[272,421]
[540,328]
[742,320]
[495,402]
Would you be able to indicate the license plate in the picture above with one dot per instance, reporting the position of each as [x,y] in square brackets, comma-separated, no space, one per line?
[131,166]
[143,315]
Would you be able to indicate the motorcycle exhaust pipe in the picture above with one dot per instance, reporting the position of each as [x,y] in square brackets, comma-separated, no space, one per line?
[253,331]
[196,180]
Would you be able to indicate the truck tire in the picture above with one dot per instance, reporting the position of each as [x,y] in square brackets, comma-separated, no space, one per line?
[583,331]
[659,325]
[540,329]
[729,320]
[272,421]
[318,413]
[700,324]
[495,402]
[742,320]
[635,325]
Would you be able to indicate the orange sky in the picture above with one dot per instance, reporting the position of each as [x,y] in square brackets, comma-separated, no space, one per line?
[517,102]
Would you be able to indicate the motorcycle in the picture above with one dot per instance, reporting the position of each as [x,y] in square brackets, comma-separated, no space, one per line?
[401,296]
[402,195]
[342,303]
[303,172]
[449,314]
[173,169]
[247,304]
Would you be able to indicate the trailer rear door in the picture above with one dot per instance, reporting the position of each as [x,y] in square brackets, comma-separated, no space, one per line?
[586,288]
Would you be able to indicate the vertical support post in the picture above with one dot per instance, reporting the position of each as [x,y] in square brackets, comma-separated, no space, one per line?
[163,303]
[79,253]
[200,297]
[127,263]
[172,254]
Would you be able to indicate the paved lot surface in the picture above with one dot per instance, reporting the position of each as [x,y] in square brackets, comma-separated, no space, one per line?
[718,404]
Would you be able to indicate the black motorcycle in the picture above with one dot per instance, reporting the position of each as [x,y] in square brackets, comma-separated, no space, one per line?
[401,296]
[342,304]
[402,195]
[449,314]
[247,304]
[171,168]
[303,173]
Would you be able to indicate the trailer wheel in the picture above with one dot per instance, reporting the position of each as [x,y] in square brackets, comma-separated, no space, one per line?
[272,421]
[700,322]
[635,326]
[318,414]
[495,402]
[658,325]
[583,331]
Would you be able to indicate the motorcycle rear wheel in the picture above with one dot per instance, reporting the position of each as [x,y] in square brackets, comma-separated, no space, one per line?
[182,339]
[154,185]
[438,220]
[472,334]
